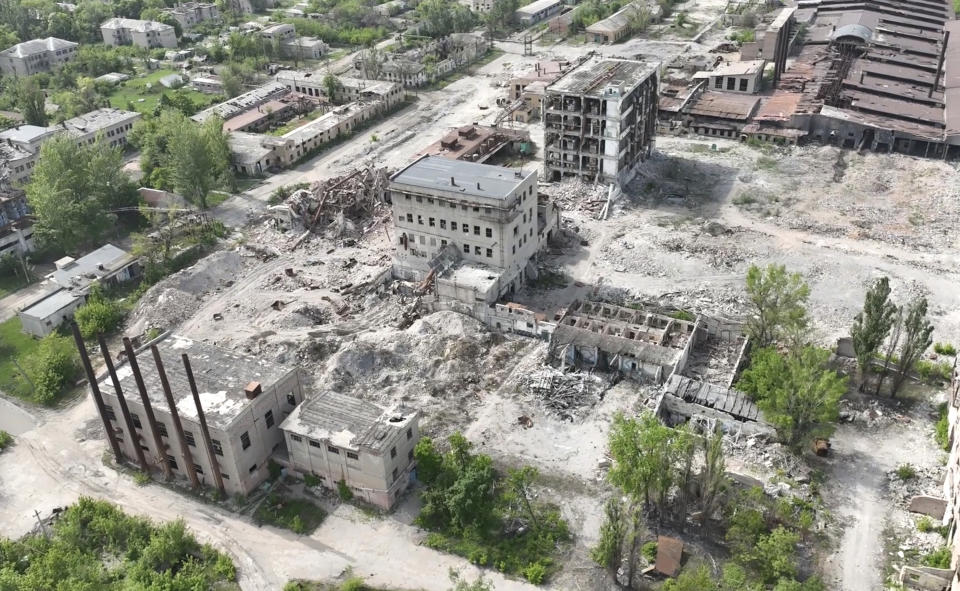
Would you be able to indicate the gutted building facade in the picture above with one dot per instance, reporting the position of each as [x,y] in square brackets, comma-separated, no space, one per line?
[369,449]
[600,119]
[243,400]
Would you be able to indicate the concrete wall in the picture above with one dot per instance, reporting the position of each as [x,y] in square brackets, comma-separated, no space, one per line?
[39,62]
[377,478]
[41,327]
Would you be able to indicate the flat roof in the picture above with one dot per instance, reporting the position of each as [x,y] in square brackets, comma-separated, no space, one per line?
[37,46]
[220,375]
[240,103]
[724,105]
[468,178]
[50,303]
[97,120]
[479,277]
[87,268]
[746,68]
[537,6]
[25,134]
[594,75]
[348,422]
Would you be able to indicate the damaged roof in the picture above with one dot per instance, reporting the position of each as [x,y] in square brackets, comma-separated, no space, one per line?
[348,422]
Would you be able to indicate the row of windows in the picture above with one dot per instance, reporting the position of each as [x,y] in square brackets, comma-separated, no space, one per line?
[350,455]
[432,222]
[731,83]
[172,461]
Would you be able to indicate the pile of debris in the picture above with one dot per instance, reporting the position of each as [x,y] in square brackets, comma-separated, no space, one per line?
[333,204]
[568,395]
[577,195]
[908,481]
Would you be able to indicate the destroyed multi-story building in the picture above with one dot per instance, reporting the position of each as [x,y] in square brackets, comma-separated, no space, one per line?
[448,211]
[37,55]
[146,34]
[479,143]
[16,228]
[600,119]
[190,14]
[342,439]
[220,423]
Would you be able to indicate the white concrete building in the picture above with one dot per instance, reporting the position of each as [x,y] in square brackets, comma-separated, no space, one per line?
[37,55]
[147,34]
[20,150]
[190,14]
[70,284]
[279,33]
[112,124]
[745,77]
[339,438]
[244,401]
[446,211]
[537,11]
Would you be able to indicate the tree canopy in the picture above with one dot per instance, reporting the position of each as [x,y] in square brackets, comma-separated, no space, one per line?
[73,191]
[872,325]
[777,299]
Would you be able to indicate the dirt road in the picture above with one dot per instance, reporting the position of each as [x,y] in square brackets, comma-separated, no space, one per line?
[65,462]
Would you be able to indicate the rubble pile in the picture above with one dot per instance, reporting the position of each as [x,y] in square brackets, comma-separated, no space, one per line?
[574,194]
[923,481]
[333,204]
[175,298]
[568,395]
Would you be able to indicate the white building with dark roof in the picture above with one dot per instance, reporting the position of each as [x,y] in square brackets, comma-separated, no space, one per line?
[146,34]
[37,55]
[339,438]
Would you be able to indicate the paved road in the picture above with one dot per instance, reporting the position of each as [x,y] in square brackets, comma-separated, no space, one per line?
[15,420]
[10,304]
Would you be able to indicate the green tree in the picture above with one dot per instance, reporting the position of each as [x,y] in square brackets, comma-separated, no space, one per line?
[442,17]
[917,338]
[692,580]
[51,367]
[200,159]
[797,392]
[608,552]
[99,315]
[773,556]
[872,325]
[713,474]
[331,84]
[31,102]
[778,303]
[85,98]
[73,189]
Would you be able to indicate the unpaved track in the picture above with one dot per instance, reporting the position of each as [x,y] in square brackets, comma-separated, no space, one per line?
[52,465]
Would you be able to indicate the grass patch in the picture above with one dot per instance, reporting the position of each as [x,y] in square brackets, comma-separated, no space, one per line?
[906,472]
[939,558]
[550,280]
[932,373]
[945,349]
[941,429]
[133,90]
[14,345]
[766,163]
[351,584]
[298,515]
[215,198]
[745,198]
[683,315]
[295,123]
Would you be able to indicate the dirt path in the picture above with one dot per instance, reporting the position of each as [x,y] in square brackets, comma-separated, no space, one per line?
[66,462]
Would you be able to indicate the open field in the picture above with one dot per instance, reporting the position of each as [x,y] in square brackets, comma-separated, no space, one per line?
[143,93]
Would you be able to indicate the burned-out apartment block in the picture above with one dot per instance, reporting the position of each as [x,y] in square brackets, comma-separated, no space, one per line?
[339,438]
[221,428]
[600,119]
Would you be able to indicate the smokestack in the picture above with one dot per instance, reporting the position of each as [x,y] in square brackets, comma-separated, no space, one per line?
[452,182]
[147,408]
[214,464]
[175,416]
[121,399]
[95,390]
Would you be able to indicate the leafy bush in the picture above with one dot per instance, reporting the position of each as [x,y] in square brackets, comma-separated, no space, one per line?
[684,315]
[344,491]
[925,524]
[932,372]
[649,551]
[941,429]
[141,478]
[945,349]
[906,472]
[52,367]
[100,315]
[6,440]
[939,558]
[275,469]
[311,480]
[297,515]
[140,554]
[535,573]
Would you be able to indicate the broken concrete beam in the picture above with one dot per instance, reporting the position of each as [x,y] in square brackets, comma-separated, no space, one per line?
[931,506]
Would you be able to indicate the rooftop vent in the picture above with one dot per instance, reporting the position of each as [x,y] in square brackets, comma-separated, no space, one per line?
[252,390]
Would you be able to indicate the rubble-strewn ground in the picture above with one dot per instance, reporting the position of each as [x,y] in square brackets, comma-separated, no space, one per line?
[683,233]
